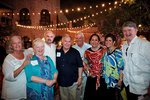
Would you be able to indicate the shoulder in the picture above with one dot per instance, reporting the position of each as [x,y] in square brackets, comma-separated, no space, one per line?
[26,52]
[88,45]
[143,41]
[33,58]
[53,45]
[59,50]
[73,49]
[75,46]
[48,58]
[9,57]
[117,50]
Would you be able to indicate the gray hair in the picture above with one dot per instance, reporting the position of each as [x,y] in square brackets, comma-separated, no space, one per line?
[129,24]
[48,32]
[66,35]
[80,34]
[9,44]
[37,41]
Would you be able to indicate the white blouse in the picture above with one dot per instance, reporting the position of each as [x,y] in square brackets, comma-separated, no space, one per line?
[14,88]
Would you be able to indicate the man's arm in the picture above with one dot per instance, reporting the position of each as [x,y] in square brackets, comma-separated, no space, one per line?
[80,70]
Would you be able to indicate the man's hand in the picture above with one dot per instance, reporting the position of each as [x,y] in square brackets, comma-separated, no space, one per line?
[79,81]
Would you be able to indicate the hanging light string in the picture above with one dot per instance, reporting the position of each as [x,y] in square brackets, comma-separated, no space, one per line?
[48,28]
[78,19]
[67,10]
[83,28]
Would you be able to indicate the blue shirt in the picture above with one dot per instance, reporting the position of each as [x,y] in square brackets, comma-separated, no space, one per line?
[34,69]
[67,65]
[82,50]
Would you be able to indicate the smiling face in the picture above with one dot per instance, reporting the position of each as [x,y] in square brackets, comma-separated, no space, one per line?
[109,42]
[94,41]
[16,44]
[129,33]
[66,41]
[49,37]
[39,49]
[79,40]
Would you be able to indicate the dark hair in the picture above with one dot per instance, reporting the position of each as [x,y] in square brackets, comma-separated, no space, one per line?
[110,35]
[94,35]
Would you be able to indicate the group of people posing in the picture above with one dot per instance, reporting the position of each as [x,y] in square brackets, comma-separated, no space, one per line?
[83,71]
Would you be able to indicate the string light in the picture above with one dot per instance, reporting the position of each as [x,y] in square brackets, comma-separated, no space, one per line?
[74,20]
[47,28]
[79,8]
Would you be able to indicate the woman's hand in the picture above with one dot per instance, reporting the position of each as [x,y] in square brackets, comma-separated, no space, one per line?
[119,83]
[50,82]
[29,56]
[26,62]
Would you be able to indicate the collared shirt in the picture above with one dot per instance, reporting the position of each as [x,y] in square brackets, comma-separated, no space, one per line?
[50,51]
[136,72]
[82,50]
[67,66]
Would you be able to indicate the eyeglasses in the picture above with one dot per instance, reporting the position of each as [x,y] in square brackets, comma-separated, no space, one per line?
[126,51]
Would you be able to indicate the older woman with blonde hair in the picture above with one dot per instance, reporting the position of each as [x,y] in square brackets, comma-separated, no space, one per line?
[41,74]
[14,81]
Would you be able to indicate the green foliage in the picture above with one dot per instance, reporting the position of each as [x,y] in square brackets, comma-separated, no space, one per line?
[111,21]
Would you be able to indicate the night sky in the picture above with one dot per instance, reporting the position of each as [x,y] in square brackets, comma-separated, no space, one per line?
[66,4]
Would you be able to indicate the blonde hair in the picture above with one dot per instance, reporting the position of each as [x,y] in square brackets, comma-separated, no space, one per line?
[37,41]
[9,44]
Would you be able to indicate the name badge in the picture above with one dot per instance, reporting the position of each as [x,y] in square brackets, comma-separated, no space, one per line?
[58,54]
[34,62]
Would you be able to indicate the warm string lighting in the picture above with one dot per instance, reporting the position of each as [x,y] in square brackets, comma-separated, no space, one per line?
[54,29]
[67,10]
[82,29]
[78,9]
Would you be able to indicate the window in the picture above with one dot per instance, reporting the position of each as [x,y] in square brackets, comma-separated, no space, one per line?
[6,21]
[25,17]
[45,18]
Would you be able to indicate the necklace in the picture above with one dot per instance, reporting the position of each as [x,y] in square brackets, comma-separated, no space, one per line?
[43,60]
[95,48]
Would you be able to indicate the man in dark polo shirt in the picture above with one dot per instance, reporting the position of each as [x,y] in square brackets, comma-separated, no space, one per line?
[69,65]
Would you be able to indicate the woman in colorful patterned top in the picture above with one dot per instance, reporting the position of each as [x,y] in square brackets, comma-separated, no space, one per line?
[92,61]
[41,74]
[113,66]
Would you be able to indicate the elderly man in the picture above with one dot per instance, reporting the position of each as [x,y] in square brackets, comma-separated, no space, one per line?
[50,48]
[81,46]
[136,56]
[69,66]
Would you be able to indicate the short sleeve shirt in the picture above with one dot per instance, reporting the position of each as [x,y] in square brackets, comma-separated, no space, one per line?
[67,66]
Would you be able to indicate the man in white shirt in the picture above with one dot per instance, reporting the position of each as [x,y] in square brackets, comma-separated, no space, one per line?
[136,56]
[81,46]
[50,48]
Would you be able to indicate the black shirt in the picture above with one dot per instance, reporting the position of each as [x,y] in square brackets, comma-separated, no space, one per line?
[67,66]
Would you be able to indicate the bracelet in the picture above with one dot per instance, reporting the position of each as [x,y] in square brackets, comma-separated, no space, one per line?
[45,81]
[120,79]
[80,77]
